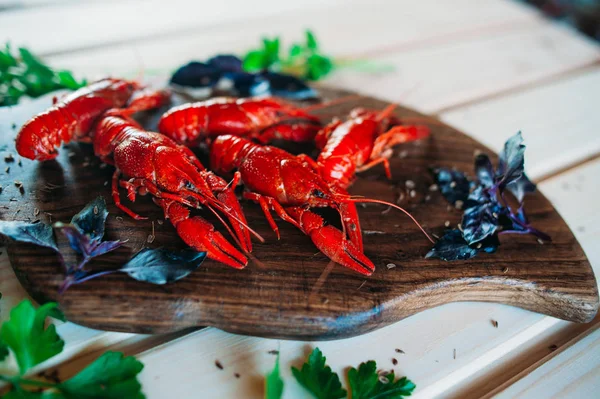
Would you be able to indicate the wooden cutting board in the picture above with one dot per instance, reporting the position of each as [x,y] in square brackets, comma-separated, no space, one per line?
[293,291]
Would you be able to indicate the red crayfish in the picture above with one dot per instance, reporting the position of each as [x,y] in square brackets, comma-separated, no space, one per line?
[286,184]
[153,163]
[262,119]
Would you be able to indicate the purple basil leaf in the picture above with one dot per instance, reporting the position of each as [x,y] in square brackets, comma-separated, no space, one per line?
[226,63]
[37,233]
[479,222]
[197,74]
[91,219]
[511,160]
[520,187]
[248,84]
[160,266]
[289,86]
[104,247]
[77,240]
[453,184]
[484,170]
[452,246]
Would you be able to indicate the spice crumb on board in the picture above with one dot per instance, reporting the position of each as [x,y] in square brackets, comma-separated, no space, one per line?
[394,361]
[400,351]
[273,352]
[7,169]
[553,347]
[494,323]
[219,365]
[237,375]
[9,158]
[454,354]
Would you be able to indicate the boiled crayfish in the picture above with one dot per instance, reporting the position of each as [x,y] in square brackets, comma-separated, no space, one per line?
[261,119]
[281,182]
[153,163]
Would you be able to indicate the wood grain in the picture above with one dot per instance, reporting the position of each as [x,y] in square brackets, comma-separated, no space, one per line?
[283,294]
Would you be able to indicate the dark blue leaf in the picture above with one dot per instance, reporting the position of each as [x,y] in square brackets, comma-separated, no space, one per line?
[226,63]
[520,187]
[197,74]
[484,170]
[511,160]
[160,266]
[91,219]
[36,233]
[479,222]
[452,246]
[289,86]
[248,84]
[453,184]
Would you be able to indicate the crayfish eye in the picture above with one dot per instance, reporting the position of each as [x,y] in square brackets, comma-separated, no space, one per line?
[188,185]
[318,193]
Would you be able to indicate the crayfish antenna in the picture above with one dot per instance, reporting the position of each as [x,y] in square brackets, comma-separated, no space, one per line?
[374,201]
[386,112]
[330,103]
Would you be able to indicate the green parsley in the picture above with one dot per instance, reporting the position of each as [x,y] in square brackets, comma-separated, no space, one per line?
[318,378]
[111,376]
[27,75]
[366,383]
[274,383]
[304,60]
[25,335]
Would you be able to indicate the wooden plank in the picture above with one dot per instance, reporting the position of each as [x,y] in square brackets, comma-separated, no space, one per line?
[382,22]
[572,373]
[559,122]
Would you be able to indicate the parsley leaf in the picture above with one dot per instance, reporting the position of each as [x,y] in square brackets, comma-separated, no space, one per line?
[366,383]
[318,378]
[274,383]
[25,335]
[110,376]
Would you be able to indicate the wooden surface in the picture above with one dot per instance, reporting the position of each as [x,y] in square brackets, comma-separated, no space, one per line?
[469,62]
[321,300]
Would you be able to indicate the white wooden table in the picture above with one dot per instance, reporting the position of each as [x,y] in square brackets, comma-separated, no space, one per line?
[487,67]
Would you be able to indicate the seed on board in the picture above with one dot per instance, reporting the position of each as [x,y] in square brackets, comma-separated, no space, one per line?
[410,184]
[459,204]
[433,187]
[413,193]
[495,215]
[394,361]
[96,210]
[36,211]
[399,351]
[479,245]
[403,154]
[449,208]
[72,154]
[106,183]
[119,218]
[447,223]
[390,265]
[540,241]
[452,184]
[505,270]
[150,239]
[103,166]
[219,365]
[494,323]
[160,222]
[459,227]
[427,198]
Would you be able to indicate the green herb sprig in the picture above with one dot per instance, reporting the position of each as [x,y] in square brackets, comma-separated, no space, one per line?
[304,60]
[316,377]
[27,75]
[112,375]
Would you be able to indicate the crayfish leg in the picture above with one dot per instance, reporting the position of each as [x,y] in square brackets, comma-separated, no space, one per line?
[117,197]
[267,204]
